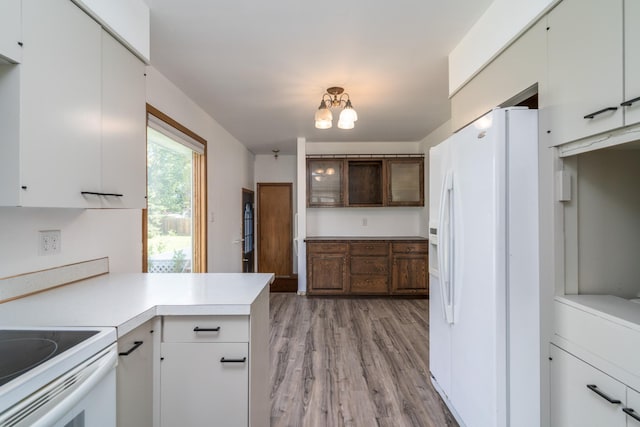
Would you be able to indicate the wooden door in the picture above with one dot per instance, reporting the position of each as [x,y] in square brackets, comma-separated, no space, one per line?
[275,236]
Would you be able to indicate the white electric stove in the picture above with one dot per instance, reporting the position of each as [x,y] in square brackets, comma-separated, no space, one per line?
[57,377]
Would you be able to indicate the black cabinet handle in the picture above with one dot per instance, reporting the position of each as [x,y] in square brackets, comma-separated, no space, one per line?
[94,193]
[223,360]
[604,110]
[199,329]
[136,344]
[594,388]
[630,412]
[630,102]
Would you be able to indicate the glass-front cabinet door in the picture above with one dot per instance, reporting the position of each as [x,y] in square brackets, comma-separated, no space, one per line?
[405,182]
[324,182]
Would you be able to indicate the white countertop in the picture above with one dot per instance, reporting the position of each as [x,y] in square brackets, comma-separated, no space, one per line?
[125,301]
[609,307]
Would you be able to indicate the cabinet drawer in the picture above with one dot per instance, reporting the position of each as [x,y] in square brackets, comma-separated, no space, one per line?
[369,284]
[369,248]
[369,265]
[319,248]
[211,329]
[409,248]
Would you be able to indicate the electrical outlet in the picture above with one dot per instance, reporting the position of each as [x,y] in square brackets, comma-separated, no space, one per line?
[365,222]
[50,242]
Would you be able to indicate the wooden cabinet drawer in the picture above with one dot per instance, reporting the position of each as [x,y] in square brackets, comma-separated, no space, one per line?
[410,247]
[369,248]
[326,247]
[369,265]
[369,284]
[205,329]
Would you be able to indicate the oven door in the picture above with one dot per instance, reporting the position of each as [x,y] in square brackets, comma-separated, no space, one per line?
[85,396]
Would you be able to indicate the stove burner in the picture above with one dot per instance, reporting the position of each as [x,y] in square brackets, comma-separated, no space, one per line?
[23,350]
[34,351]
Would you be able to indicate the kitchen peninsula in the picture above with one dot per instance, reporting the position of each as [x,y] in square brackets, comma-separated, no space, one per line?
[181,321]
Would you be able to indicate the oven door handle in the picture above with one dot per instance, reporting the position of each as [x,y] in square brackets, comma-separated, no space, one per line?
[105,364]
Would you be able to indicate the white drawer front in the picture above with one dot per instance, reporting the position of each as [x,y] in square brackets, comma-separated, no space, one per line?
[205,329]
[610,341]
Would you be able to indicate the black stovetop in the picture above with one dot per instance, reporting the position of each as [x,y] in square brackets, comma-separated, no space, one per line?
[23,350]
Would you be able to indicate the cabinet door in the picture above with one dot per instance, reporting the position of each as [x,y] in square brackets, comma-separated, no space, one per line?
[632,60]
[124,137]
[365,183]
[60,105]
[135,377]
[405,182]
[585,68]
[10,28]
[632,410]
[199,389]
[326,273]
[409,274]
[574,394]
[325,182]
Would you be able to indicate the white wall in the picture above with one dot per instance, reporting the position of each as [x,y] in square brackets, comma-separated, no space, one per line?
[229,170]
[86,234]
[502,23]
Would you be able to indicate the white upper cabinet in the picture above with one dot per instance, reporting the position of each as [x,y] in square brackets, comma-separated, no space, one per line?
[72,115]
[632,61]
[585,65]
[60,106]
[124,132]
[10,31]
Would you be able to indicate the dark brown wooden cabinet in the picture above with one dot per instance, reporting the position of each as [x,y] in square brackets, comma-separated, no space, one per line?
[369,181]
[327,267]
[352,266]
[410,268]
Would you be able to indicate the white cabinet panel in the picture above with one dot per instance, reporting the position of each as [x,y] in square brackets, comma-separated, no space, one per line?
[124,136]
[135,377]
[632,409]
[59,105]
[632,60]
[199,388]
[585,61]
[573,403]
[10,30]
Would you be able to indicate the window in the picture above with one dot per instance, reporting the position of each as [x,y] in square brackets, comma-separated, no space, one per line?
[174,223]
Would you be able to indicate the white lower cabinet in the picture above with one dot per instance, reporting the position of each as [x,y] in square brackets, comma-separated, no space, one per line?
[583,396]
[204,372]
[204,384]
[135,377]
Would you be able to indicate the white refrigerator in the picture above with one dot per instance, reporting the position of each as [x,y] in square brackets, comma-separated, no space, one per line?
[484,340]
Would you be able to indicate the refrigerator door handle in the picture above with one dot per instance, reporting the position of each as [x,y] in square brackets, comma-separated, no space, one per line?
[445,245]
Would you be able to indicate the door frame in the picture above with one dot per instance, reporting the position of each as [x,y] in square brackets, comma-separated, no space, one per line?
[246,191]
[199,232]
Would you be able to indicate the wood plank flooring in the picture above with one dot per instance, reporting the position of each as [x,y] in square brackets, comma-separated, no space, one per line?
[357,362]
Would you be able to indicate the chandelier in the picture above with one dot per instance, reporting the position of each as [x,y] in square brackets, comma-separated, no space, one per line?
[335,97]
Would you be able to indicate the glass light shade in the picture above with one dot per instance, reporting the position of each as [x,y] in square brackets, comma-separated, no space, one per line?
[345,124]
[348,115]
[323,117]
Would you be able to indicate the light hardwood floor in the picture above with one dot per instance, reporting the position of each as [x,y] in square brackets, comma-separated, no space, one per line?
[358,362]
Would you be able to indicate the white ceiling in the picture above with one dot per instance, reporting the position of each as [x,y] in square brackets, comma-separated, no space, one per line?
[259,68]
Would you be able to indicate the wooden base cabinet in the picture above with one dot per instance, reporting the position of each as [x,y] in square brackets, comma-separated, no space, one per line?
[327,268]
[367,267]
[409,271]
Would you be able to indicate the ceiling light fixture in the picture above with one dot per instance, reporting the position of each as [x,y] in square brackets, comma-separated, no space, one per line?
[335,97]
